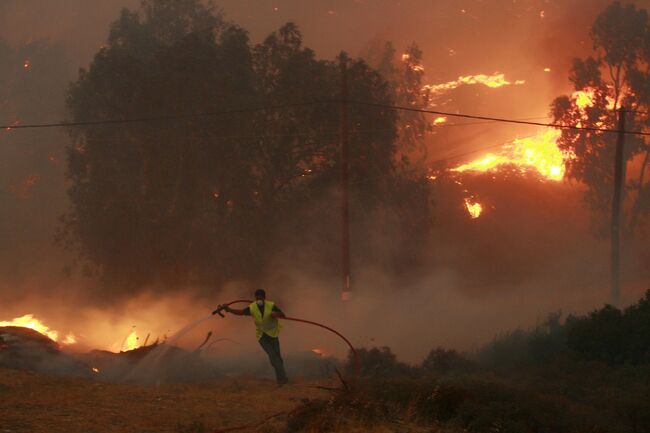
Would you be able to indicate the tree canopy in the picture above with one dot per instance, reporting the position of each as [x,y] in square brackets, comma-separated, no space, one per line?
[616,75]
[207,199]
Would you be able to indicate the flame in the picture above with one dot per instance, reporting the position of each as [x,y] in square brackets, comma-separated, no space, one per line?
[95,370]
[586,98]
[28,321]
[26,64]
[474,209]
[539,152]
[318,352]
[131,342]
[439,120]
[493,81]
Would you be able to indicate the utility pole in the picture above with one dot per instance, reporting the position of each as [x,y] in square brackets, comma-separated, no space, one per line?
[345,180]
[619,180]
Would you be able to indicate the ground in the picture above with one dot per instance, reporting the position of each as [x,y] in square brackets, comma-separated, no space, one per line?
[32,402]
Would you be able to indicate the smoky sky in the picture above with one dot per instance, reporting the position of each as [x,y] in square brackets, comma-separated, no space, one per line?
[519,38]
[458,37]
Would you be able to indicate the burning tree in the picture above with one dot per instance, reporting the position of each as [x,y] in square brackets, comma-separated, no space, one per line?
[616,75]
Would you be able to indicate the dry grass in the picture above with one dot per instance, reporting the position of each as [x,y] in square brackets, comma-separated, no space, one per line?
[31,402]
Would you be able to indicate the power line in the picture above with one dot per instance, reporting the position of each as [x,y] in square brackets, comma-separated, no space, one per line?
[499,119]
[161,118]
[486,119]
[487,122]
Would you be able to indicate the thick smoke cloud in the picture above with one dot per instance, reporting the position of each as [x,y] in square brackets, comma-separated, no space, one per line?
[469,289]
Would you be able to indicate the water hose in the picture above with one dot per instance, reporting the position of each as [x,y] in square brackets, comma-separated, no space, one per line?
[357,364]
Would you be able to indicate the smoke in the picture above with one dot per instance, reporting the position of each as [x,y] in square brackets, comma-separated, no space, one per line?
[531,253]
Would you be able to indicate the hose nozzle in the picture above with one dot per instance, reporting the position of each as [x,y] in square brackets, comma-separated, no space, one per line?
[219,310]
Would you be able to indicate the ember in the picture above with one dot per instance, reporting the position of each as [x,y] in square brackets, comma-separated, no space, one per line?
[474,209]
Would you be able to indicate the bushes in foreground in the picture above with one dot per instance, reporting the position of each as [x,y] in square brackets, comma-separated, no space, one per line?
[588,374]
[608,335]
[470,407]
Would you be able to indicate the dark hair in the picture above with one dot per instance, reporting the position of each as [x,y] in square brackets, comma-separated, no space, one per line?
[261,293]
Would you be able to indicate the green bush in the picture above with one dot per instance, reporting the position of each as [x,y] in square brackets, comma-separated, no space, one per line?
[378,363]
[441,361]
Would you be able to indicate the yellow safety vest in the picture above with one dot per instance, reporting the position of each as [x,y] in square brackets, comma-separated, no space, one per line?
[265,324]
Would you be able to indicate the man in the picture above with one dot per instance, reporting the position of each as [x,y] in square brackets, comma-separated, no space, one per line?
[266,314]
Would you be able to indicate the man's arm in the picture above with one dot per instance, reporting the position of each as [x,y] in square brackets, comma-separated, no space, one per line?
[243,312]
[277,313]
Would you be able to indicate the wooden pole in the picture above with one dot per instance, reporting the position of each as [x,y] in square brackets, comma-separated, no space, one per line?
[619,180]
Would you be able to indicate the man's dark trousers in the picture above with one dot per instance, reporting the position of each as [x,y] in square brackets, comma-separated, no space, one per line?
[271,346]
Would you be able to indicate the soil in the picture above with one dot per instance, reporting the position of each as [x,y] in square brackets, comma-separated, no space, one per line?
[33,402]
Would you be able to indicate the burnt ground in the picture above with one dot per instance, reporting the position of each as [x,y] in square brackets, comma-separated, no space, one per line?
[34,402]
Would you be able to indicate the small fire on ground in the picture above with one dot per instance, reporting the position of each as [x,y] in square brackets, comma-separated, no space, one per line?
[131,342]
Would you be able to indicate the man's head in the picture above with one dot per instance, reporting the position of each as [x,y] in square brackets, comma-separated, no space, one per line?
[260,296]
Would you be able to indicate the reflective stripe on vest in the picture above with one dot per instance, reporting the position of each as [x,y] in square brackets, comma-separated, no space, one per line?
[265,324]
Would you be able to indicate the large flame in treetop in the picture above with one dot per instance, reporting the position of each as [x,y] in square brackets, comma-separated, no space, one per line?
[539,152]
[29,321]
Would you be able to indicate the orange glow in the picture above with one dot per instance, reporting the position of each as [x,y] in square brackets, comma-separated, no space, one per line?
[318,352]
[547,69]
[474,209]
[539,152]
[27,64]
[493,81]
[29,321]
[439,120]
[95,370]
